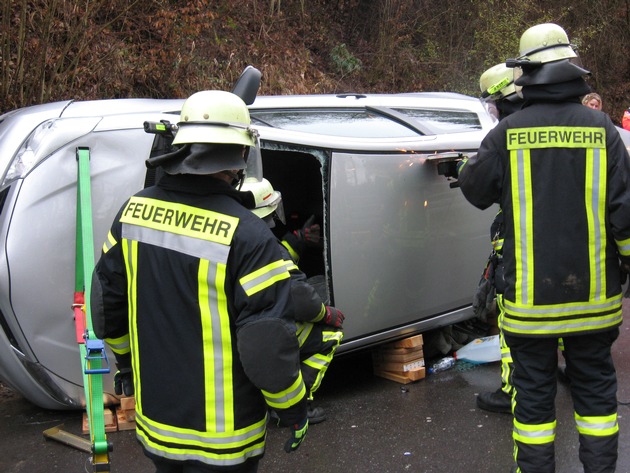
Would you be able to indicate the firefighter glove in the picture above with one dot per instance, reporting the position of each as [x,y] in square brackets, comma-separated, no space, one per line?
[123,382]
[310,233]
[334,317]
[298,434]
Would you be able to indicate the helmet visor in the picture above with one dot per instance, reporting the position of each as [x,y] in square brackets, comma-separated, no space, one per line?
[272,210]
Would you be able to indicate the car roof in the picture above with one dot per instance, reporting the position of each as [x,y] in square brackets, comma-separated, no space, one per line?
[442,99]
[418,133]
[397,129]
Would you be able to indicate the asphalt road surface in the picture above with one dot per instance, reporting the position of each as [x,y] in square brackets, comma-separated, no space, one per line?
[374,425]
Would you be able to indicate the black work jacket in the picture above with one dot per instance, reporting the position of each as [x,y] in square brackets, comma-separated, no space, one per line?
[197,284]
[561,175]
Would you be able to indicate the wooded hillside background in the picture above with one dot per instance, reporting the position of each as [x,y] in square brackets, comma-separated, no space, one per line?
[56,49]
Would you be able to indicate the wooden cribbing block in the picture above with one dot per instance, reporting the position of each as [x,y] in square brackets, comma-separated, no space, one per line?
[401,361]
[126,413]
[126,419]
[401,355]
[111,424]
[397,366]
[128,403]
[403,378]
[410,342]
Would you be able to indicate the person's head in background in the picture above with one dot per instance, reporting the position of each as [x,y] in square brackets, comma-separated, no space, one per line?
[593,101]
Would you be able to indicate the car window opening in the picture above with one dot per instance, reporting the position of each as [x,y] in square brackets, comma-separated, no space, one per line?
[298,177]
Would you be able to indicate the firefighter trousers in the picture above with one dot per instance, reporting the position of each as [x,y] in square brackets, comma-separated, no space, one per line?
[318,343]
[593,385]
[506,355]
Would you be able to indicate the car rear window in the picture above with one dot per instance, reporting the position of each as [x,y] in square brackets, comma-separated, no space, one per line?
[362,123]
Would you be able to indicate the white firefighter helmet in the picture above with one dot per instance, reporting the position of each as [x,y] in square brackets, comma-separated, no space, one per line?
[268,201]
[213,130]
[215,116]
[546,57]
[497,82]
[545,43]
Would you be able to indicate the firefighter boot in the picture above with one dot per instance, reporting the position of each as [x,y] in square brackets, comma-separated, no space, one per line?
[497,401]
[316,415]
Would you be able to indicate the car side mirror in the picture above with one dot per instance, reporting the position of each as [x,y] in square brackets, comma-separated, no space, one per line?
[247,85]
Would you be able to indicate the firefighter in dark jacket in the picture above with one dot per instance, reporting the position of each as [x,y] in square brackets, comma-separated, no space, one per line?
[499,92]
[561,175]
[192,295]
[318,326]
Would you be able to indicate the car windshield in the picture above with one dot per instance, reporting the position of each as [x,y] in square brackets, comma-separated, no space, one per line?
[362,123]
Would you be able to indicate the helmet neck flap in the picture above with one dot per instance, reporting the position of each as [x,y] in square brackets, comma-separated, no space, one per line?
[200,158]
[551,73]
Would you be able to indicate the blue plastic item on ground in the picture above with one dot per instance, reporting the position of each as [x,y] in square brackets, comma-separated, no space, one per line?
[480,350]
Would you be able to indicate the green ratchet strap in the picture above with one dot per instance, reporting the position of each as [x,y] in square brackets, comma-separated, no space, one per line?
[93,358]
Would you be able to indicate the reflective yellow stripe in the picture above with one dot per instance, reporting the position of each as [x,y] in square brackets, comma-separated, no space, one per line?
[214,459]
[211,458]
[623,246]
[595,205]
[520,172]
[574,309]
[597,426]
[226,346]
[180,219]
[214,448]
[303,330]
[109,244]
[291,251]
[321,314]
[332,335]
[208,439]
[130,254]
[289,397]
[264,277]
[217,347]
[119,345]
[497,245]
[563,326]
[556,137]
[290,265]
[318,361]
[534,434]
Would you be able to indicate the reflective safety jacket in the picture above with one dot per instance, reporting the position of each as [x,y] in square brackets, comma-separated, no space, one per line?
[561,175]
[198,287]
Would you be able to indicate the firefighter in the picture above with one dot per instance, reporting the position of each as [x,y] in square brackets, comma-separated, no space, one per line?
[560,173]
[318,326]
[192,294]
[499,93]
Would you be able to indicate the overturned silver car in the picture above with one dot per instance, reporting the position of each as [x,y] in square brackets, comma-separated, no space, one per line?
[402,251]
